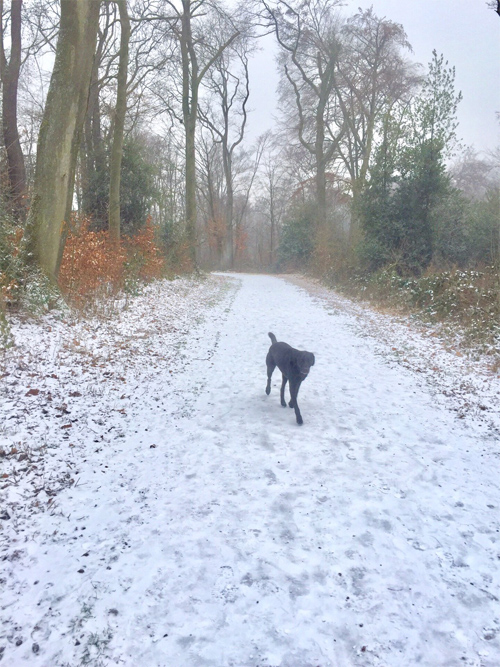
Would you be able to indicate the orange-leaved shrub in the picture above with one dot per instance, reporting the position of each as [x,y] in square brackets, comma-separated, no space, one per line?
[92,264]
[95,266]
[145,261]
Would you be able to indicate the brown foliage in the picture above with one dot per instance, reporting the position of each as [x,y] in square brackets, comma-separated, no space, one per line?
[216,232]
[143,255]
[240,243]
[90,263]
[93,265]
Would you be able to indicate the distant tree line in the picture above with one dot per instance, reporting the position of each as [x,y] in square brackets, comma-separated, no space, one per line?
[144,116]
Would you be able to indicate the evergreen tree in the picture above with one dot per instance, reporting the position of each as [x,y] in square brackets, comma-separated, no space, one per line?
[409,179]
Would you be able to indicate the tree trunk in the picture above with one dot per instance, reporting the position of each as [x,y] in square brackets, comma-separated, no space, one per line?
[228,177]
[60,133]
[190,85]
[273,225]
[191,209]
[15,158]
[92,157]
[192,76]
[320,159]
[119,125]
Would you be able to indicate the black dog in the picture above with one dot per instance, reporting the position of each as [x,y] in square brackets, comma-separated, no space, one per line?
[294,366]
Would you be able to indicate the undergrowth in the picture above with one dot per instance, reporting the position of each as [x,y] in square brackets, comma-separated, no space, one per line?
[467,301]
[94,272]
[94,267]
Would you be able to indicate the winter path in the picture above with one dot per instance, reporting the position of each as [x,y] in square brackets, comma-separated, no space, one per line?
[194,523]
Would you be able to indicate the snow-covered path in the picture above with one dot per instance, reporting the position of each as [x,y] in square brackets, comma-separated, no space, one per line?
[218,532]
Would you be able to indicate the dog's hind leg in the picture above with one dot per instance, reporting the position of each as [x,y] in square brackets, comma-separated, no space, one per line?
[270,370]
[283,385]
[294,390]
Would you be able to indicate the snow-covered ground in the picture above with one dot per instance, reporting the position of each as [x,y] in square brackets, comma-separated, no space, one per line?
[158,509]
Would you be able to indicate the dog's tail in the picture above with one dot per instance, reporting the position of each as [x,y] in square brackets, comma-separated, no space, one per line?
[272,337]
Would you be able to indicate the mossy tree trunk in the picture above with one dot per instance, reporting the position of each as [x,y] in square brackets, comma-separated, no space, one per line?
[60,133]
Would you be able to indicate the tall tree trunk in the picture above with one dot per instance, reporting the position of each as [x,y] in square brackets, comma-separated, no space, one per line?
[60,133]
[92,144]
[10,77]
[320,158]
[190,84]
[192,76]
[228,177]
[191,208]
[273,225]
[115,163]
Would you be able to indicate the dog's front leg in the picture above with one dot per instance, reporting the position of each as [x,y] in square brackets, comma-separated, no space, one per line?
[270,370]
[294,390]
[283,385]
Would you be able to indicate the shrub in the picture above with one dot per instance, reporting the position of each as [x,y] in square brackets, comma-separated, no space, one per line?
[91,263]
[93,266]
[468,299]
[11,259]
[144,261]
[11,269]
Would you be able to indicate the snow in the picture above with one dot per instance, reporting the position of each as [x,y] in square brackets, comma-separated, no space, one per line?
[162,510]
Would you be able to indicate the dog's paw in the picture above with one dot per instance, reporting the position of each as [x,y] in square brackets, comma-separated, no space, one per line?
[283,404]
[268,390]
[290,405]
[300,421]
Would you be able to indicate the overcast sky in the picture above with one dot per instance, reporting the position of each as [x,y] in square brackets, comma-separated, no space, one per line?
[466,32]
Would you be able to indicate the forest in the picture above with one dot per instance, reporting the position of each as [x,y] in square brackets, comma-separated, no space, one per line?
[124,154]
[160,504]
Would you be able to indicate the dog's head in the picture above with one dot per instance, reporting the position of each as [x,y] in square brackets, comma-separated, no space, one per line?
[304,362]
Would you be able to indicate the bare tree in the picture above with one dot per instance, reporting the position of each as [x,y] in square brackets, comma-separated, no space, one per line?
[274,187]
[194,50]
[373,78]
[309,37]
[93,170]
[495,5]
[225,114]
[211,191]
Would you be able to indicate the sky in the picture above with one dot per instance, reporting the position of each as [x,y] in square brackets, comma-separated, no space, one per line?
[466,32]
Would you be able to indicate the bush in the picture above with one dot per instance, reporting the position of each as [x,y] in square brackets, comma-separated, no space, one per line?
[451,231]
[470,300]
[93,266]
[11,259]
[144,261]
[484,228]
[11,269]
